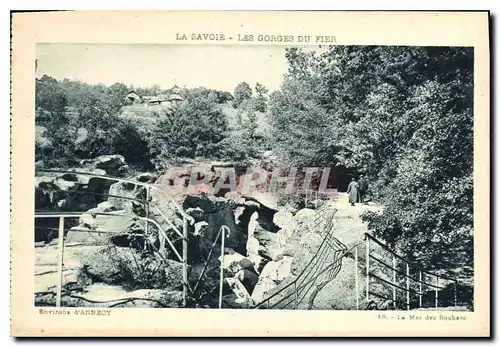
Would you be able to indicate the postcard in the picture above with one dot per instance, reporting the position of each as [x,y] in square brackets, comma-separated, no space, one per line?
[250,174]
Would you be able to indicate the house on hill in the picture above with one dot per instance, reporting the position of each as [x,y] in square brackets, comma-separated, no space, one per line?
[164,100]
[175,99]
[133,98]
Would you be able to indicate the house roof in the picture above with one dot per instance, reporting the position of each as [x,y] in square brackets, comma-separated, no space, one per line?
[133,94]
[175,97]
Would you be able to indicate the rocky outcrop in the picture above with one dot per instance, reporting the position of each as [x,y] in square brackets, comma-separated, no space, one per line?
[131,269]
[216,213]
[104,295]
[272,275]
[113,165]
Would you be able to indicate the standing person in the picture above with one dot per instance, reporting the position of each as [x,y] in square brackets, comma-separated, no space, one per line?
[352,190]
[363,188]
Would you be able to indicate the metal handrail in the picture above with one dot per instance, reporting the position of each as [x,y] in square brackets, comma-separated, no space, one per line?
[318,253]
[224,229]
[402,273]
[302,285]
[416,267]
[187,219]
[395,271]
[78,214]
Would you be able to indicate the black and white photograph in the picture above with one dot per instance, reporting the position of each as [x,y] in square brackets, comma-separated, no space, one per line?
[311,176]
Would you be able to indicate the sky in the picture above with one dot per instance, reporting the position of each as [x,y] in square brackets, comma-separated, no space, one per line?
[219,67]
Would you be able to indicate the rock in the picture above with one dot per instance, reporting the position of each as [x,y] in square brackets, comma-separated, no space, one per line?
[146,177]
[231,263]
[235,262]
[65,185]
[247,264]
[308,245]
[113,164]
[305,217]
[98,229]
[242,298]
[252,245]
[272,275]
[195,212]
[70,191]
[238,212]
[278,270]
[284,219]
[84,179]
[288,242]
[200,228]
[266,199]
[253,254]
[121,193]
[150,297]
[106,206]
[233,301]
[248,278]
[268,243]
[132,240]
[216,213]
[128,268]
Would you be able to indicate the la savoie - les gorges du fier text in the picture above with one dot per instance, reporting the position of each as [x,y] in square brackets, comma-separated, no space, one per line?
[266,38]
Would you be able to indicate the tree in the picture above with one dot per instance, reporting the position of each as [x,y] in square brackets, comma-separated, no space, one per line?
[241,92]
[403,116]
[49,95]
[261,99]
[194,129]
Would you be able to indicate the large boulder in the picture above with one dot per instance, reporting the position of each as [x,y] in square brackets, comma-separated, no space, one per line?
[240,298]
[131,269]
[123,195]
[94,228]
[308,246]
[216,213]
[284,219]
[248,278]
[235,262]
[268,243]
[113,164]
[253,245]
[272,275]
[104,295]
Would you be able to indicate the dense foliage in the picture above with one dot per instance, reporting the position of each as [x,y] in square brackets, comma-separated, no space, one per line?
[194,129]
[78,121]
[241,93]
[402,115]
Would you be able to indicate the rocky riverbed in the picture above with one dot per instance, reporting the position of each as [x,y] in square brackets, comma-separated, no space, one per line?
[267,243]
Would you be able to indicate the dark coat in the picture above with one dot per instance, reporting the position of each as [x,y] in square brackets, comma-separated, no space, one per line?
[352,189]
[363,185]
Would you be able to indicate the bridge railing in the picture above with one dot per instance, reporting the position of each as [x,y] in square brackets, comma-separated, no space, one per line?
[325,263]
[407,279]
[187,219]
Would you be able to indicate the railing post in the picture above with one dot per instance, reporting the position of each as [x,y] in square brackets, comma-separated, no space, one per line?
[356,279]
[394,281]
[146,209]
[367,269]
[436,296]
[420,288]
[296,295]
[221,276]
[184,261]
[407,286]
[60,242]
[455,298]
